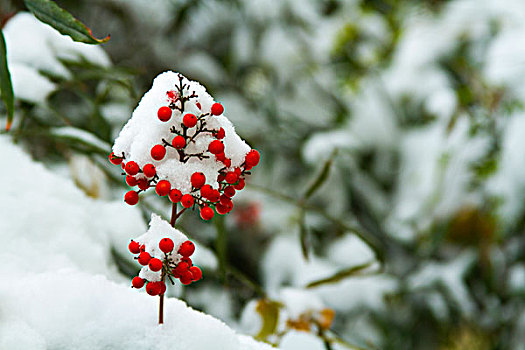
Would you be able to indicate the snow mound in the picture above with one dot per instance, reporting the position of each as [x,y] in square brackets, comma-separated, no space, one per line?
[70,309]
[145,130]
[159,229]
[62,290]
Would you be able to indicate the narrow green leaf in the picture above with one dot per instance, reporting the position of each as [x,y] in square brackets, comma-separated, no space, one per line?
[340,275]
[6,86]
[221,245]
[80,139]
[50,13]
[321,177]
[303,234]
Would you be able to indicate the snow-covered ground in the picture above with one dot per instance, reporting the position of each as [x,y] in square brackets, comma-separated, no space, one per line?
[60,289]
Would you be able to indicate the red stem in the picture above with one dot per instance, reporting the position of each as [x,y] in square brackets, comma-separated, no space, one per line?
[174,217]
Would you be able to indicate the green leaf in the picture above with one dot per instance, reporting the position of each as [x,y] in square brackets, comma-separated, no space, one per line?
[50,13]
[80,139]
[6,87]
[340,275]
[321,177]
[221,245]
[303,235]
[269,311]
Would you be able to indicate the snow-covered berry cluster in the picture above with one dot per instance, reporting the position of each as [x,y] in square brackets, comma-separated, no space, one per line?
[164,253]
[179,142]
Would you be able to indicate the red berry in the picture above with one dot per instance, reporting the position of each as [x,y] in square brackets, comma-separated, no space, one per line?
[225,206]
[134,247]
[138,282]
[164,113]
[207,213]
[227,162]
[240,185]
[220,178]
[187,248]
[231,177]
[149,170]
[144,258]
[158,152]
[221,157]
[155,264]
[166,245]
[130,180]
[198,180]
[189,120]
[186,277]
[143,184]
[220,133]
[163,187]
[196,273]
[175,195]
[187,200]
[221,209]
[172,95]
[226,201]
[198,105]
[153,288]
[179,142]
[131,198]
[187,261]
[229,191]
[114,159]
[143,248]
[217,109]
[216,147]
[252,158]
[214,196]
[181,267]
[162,287]
[132,168]
[206,191]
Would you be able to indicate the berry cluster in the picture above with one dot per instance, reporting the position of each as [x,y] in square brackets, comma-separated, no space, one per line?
[175,265]
[188,132]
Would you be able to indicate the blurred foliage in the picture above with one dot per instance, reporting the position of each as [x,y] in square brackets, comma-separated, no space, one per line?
[141,47]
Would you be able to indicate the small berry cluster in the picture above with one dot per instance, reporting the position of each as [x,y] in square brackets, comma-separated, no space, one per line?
[208,199]
[175,265]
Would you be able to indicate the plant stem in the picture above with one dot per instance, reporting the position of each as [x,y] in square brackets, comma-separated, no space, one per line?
[174,217]
[161,303]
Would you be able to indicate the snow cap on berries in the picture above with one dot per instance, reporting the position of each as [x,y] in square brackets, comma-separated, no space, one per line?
[144,130]
[159,229]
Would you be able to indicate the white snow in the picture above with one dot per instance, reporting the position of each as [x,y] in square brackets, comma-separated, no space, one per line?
[435,175]
[451,276]
[350,251]
[508,182]
[34,47]
[159,229]
[284,265]
[298,302]
[144,130]
[70,309]
[61,288]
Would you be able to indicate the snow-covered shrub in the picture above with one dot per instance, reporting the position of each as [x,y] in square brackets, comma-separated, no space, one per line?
[179,142]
